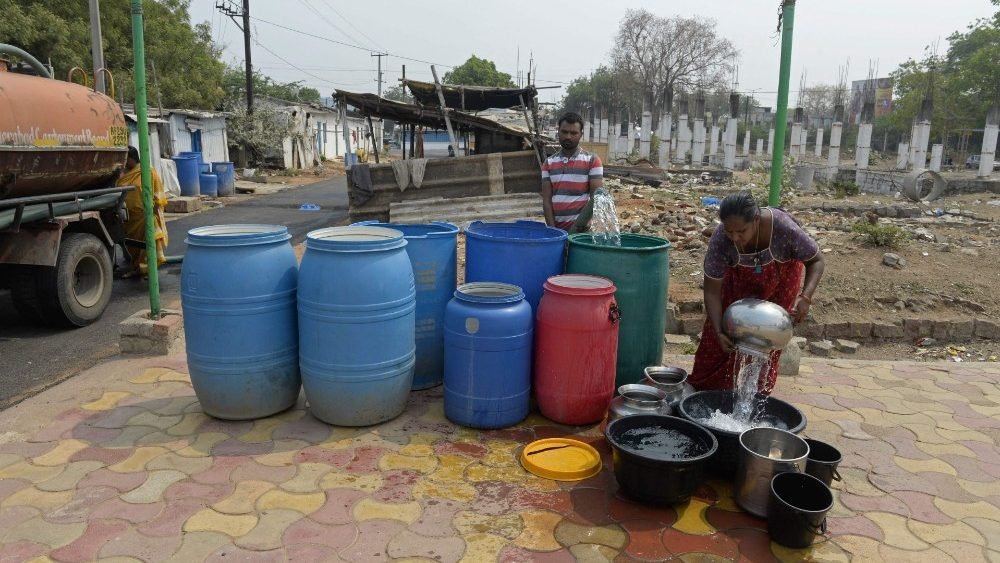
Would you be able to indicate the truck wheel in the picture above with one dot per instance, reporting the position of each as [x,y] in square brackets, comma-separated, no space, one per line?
[78,289]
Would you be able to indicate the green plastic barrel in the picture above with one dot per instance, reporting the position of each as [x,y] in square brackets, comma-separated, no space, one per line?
[640,268]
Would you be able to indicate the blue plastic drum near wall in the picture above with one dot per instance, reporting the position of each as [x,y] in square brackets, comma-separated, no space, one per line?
[208,184]
[488,339]
[238,286]
[523,253]
[187,174]
[227,177]
[433,252]
[357,304]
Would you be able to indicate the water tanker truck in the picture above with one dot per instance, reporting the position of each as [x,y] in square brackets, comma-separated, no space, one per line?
[61,148]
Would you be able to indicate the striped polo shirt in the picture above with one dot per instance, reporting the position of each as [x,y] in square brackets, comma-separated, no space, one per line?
[570,178]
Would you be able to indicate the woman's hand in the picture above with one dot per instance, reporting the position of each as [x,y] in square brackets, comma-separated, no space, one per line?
[725,342]
[800,310]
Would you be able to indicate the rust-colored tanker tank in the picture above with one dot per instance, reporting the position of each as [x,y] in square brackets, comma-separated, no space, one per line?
[57,137]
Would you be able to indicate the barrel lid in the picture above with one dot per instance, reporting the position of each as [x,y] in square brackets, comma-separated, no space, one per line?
[630,242]
[237,235]
[580,284]
[561,459]
[354,239]
[489,292]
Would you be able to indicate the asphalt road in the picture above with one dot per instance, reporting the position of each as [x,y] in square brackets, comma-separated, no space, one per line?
[33,358]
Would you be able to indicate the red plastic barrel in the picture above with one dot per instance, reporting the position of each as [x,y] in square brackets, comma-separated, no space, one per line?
[576,347]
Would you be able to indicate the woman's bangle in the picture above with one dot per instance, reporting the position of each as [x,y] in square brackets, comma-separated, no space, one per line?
[807,298]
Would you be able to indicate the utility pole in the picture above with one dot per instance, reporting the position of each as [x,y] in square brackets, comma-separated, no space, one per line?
[96,46]
[227,7]
[781,116]
[380,55]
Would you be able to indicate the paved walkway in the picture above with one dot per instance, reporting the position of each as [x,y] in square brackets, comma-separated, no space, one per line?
[120,464]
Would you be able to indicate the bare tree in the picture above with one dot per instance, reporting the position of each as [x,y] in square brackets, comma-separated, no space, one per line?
[818,100]
[664,55]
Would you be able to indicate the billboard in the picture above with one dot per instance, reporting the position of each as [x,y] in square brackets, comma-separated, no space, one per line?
[883,98]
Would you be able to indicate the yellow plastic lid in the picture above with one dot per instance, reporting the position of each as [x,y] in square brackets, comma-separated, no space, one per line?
[561,459]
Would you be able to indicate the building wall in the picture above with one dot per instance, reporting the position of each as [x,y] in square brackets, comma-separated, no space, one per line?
[214,142]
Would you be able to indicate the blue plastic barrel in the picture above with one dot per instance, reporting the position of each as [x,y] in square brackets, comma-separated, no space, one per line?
[196,154]
[227,177]
[356,324]
[209,184]
[433,252]
[523,253]
[187,174]
[238,285]
[487,355]
[205,168]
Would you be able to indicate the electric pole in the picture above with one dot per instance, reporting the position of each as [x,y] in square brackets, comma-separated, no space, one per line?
[228,8]
[96,46]
[380,55]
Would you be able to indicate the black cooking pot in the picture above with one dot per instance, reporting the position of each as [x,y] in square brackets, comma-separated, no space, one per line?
[656,478]
[700,406]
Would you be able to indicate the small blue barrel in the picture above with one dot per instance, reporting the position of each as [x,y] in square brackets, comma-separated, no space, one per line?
[238,286]
[357,348]
[487,355]
[227,177]
[187,174]
[523,253]
[433,252]
[209,184]
[205,168]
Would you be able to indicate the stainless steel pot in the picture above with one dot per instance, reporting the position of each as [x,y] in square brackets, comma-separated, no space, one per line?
[764,453]
[757,327]
[638,399]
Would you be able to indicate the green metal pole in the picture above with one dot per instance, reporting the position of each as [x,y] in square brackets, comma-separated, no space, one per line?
[139,57]
[781,117]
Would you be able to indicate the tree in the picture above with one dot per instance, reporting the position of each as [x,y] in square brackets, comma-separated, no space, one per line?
[397,93]
[188,70]
[234,84]
[818,100]
[260,132]
[478,72]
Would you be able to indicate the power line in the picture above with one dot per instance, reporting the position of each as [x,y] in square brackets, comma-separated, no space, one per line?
[348,20]
[286,61]
[330,23]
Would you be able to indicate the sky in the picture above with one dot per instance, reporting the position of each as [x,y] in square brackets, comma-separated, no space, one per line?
[569,39]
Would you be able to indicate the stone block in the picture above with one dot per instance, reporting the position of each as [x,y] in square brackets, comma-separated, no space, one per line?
[822,348]
[692,325]
[887,331]
[673,325]
[963,330]
[838,330]
[791,357]
[138,334]
[941,330]
[691,307]
[846,346]
[917,328]
[183,204]
[987,329]
[811,330]
[676,339]
[799,342]
[861,330]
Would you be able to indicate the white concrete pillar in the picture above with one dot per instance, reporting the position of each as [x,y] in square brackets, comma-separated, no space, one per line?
[664,134]
[864,148]
[819,143]
[923,138]
[746,143]
[914,141]
[683,138]
[602,130]
[989,151]
[770,140]
[902,156]
[760,148]
[833,156]
[647,128]
[796,140]
[937,153]
[586,131]
[805,141]
[698,148]
[714,145]
[729,159]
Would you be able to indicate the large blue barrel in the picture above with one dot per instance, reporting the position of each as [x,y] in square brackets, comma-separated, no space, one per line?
[227,177]
[187,174]
[238,286]
[524,253]
[356,324]
[433,252]
[209,184]
[196,154]
[487,355]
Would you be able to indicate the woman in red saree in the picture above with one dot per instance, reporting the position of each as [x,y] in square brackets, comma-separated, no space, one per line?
[756,252]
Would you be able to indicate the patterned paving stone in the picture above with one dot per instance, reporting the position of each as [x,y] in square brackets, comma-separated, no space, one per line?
[624,510]
[859,525]
[11,517]
[21,551]
[509,526]
[408,544]
[132,513]
[482,547]
[895,531]
[131,543]
[538,533]
[32,473]
[70,477]
[36,498]
[208,520]
[107,401]
[570,533]
[198,546]
[253,471]
[645,541]
[202,444]
[305,530]
[334,459]
[368,483]
[724,520]
[301,503]
[679,543]
[691,519]
[104,477]
[79,507]
[369,509]
[267,534]
[514,554]
[243,498]
[372,540]
[138,460]
[152,489]
[85,547]
[170,521]
[45,533]
[929,555]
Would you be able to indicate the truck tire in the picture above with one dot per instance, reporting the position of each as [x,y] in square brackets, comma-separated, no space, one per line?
[78,289]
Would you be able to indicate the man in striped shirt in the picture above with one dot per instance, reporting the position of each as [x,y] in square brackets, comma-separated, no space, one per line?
[570,178]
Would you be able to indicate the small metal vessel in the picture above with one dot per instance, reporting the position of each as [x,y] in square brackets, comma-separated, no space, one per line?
[757,327]
[638,399]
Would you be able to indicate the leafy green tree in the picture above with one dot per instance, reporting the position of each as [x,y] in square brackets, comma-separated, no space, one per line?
[188,70]
[478,72]
[234,84]
[397,93]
